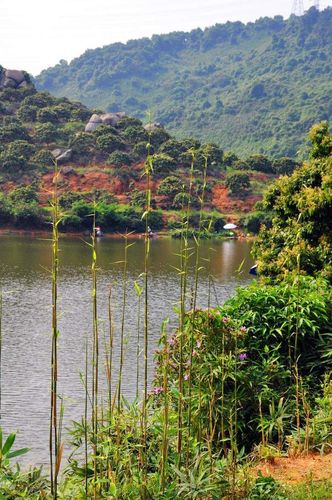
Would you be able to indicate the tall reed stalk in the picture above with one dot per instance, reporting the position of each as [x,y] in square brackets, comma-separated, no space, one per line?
[54,448]
[184,258]
[194,300]
[95,353]
[147,171]
[123,317]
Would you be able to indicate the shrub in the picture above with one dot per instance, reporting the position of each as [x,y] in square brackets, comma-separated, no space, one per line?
[119,159]
[47,115]
[260,163]
[162,164]
[171,186]
[237,182]
[284,166]
[27,113]
[46,133]
[109,143]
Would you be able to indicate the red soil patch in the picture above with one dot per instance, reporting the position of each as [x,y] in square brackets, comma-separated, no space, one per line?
[226,203]
[298,469]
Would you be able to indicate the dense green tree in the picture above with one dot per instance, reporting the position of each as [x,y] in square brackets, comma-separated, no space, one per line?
[300,238]
[163,164]
[260,163]
[109,143]
[237,182]
[27,113]
[171,186]
[119,159]
[46,133]
[284,166]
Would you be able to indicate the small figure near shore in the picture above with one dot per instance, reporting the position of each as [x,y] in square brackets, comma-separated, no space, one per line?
[98,232]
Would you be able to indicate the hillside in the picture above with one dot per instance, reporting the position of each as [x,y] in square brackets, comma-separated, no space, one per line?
[102,157]
[250,88]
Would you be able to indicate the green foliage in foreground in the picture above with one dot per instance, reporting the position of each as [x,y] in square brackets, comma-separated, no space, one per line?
[255,88]
[248,368]
[300,237]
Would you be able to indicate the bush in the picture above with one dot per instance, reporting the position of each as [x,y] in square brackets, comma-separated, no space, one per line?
[162,164]
[260,163]
[119,159]
[237,182]
[171,186]
[46,133]
[27,113]
[47,115]
[284,166]
[109,143]
[248,346]
[253,221]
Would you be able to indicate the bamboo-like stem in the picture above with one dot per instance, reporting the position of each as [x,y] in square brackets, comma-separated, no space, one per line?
[110,353]
[148,171]
[138,339]
[53,437]
[123,317]
[95,352]
[165,440]
[86,418]
[184,255]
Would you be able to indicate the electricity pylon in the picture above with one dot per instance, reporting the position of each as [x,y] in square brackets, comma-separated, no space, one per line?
[298,8]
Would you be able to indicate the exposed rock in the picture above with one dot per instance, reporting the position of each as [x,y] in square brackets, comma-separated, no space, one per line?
[62,155]
[112,118]
[153,126]
[105,119]
[15,74]
[13,78]
[68,171]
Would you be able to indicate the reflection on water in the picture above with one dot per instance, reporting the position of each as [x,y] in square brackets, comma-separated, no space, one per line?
[26,284]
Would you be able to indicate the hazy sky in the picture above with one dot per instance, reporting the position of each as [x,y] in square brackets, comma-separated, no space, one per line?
[36,34]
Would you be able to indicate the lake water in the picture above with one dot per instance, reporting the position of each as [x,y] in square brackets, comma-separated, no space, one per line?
[26,324]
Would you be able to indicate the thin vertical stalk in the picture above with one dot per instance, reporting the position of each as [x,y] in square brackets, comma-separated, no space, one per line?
[95,352]
[110,354]
[184,255]
[139,291]
[165,440]
[123,317]
[86,418]
[196,279]
[53,437]
[148,171]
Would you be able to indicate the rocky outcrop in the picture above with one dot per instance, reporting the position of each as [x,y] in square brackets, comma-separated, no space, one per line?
[62,155]
[13,78]
[153,126]
[105,119]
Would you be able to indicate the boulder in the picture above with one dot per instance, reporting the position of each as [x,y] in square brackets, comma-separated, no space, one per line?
[62,155]
[9,83]
[13,78]
[105,119]
[112,118]
[16,75]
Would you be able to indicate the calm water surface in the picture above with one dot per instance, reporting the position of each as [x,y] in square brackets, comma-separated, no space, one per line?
[26,283]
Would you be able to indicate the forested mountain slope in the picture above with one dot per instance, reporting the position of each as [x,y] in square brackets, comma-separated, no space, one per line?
[251,88]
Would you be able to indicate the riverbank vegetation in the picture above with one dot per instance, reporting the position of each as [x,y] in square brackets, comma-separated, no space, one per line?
[236,386]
